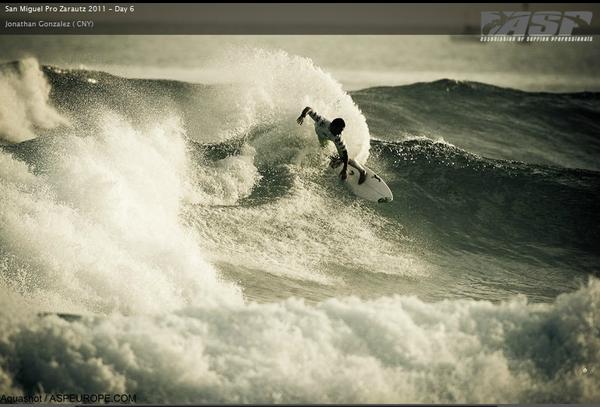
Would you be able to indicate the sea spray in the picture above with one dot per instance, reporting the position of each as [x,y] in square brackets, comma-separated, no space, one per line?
[24,106]
[272,87]
[100,226]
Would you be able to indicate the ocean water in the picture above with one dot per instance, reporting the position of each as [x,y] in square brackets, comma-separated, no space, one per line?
[180,239]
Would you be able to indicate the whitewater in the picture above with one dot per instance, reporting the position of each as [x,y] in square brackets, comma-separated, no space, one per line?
[183,242]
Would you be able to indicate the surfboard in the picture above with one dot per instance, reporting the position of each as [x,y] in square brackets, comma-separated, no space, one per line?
[374,188]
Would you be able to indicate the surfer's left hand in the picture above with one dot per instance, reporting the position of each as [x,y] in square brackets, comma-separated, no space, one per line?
[343,175]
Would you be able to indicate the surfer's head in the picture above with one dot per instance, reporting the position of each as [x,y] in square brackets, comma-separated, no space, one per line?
[337,126]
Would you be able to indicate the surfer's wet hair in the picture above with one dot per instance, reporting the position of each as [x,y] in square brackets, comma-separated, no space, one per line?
[337,126]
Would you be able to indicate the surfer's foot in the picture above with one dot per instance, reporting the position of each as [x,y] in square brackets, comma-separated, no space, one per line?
[362,178]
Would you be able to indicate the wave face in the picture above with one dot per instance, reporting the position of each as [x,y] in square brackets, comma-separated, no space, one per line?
[184,242]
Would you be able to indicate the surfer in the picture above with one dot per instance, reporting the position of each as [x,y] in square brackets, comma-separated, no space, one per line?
[332,131]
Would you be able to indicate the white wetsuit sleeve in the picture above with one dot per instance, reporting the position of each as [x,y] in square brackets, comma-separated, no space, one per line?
[315,116]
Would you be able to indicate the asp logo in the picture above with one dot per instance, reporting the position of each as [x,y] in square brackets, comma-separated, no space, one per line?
[533,23]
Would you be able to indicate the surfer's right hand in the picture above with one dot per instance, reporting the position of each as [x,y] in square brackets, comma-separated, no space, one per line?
[344,175]
[300,119]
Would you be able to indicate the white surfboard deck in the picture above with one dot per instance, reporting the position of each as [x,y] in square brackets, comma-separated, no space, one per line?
[374,189]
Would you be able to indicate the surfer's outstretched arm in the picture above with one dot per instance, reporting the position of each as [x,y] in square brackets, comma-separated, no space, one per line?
[310,112]
[306,111]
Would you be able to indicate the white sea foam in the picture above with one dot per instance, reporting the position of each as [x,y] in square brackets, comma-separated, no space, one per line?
[396,349]
[225,181]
